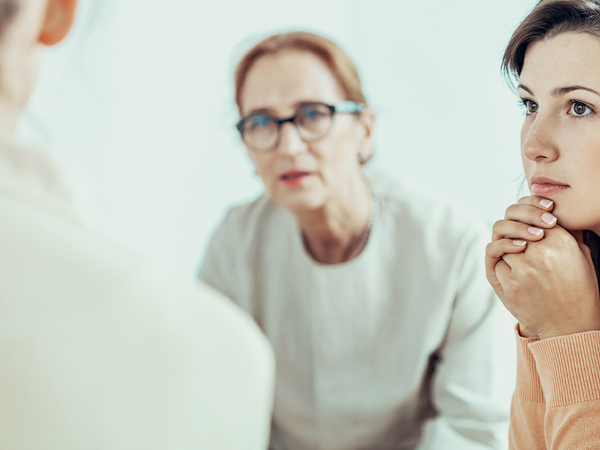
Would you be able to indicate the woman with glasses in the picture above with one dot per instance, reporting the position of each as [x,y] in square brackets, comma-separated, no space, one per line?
[370,290]
[544,258]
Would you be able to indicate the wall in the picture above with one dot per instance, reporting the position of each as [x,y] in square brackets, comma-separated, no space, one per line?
[139,102]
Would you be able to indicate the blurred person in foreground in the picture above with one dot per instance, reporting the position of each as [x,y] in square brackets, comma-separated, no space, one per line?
[371,290]
[544,258]
[99,350]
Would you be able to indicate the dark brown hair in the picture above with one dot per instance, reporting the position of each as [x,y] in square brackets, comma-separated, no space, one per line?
[550,18]
[341,66]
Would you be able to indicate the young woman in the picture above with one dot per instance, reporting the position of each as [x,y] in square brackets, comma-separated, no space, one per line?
[543,258]
[371,291]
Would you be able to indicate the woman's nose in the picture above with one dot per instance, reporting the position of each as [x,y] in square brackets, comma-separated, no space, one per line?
[290,141]
[538,140]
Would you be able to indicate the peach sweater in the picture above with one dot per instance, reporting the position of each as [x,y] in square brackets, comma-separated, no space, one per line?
[556,405]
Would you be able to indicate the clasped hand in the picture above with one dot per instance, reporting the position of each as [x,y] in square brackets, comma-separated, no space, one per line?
[543,274]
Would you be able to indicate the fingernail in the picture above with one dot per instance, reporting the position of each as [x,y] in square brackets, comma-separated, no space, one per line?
[535,231]
[549,218]
[546,203]
[519,243]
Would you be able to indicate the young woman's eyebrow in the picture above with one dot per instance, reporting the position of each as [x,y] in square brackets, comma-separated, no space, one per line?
[525,88]
[558,92]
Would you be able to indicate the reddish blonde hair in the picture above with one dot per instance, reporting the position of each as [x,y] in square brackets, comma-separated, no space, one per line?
[341,66]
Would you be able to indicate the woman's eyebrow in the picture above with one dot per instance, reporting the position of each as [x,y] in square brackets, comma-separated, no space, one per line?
[525,88]
[560,91]
[260,111]
[557,92]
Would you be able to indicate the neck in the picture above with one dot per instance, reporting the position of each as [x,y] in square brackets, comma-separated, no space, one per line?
[334,232]
[8,119]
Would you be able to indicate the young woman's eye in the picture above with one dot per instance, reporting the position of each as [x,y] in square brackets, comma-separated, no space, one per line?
[530,107]
[580,109]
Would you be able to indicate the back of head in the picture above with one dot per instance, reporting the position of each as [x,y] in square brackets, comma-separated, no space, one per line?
[341,66]
[26,26]
[548,19]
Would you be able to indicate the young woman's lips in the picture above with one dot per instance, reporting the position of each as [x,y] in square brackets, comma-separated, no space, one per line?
[294,177]
[546,186]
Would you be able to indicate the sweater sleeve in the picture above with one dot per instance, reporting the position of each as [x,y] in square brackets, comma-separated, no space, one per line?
[569,372]
[528,404]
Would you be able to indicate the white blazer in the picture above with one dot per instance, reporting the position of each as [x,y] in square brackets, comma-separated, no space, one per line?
[99,350]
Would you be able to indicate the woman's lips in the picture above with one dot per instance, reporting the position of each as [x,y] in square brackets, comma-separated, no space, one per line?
[294,177]
[546,186]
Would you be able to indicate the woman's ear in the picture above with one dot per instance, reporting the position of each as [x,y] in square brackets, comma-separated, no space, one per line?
[367,120]
[57,21]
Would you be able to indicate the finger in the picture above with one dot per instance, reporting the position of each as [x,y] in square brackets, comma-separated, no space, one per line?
[503,275]
[538,202]
[496,250]
[516,231]
[530,215]
[503,272]
[511,259]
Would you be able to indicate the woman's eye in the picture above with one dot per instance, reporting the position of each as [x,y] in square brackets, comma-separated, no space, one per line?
[312,114]
[530,107]
[259,122]
[580,109]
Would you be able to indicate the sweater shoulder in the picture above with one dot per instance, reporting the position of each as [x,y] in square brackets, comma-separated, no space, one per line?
[414,205]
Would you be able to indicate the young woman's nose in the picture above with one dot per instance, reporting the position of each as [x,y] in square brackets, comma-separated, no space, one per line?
[538,141]
[290,142]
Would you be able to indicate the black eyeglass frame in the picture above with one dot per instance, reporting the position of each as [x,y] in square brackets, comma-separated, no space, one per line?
[346,107]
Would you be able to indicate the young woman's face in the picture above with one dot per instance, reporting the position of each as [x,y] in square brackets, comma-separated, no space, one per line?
[560,140]
[303,175]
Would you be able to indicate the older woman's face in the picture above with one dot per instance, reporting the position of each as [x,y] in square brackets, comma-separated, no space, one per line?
[560,139]
[278,85]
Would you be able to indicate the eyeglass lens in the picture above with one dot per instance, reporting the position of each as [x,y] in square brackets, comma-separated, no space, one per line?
[261,132]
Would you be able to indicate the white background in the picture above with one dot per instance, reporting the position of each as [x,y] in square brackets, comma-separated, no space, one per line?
[139,101]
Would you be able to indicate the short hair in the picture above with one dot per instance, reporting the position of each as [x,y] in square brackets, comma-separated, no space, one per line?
[338,62]
[548,19]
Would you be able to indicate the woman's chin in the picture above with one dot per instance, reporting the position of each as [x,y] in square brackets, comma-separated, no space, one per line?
[301,203]
[571,222]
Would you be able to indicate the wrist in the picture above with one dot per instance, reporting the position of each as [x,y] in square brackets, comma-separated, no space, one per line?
[526,332]
[582,328]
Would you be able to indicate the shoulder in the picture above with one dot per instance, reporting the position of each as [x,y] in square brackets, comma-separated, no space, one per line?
[242,222]
[424,211]
[100,317]
[72,272]
[251,212]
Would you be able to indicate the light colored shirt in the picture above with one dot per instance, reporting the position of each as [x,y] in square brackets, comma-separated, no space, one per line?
[556,405]
[99,350]
[405,346]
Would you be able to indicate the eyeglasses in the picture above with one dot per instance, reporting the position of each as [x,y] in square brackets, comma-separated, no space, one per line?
[261,131]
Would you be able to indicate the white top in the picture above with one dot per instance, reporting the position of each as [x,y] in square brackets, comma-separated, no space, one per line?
[99,350]
[406,345]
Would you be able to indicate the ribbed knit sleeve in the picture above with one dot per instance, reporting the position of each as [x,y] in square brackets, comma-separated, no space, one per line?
[528,406]
[569,368]
[569,371]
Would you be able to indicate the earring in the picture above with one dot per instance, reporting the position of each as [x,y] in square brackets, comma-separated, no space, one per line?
[363,156]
